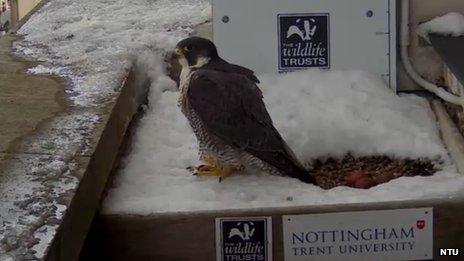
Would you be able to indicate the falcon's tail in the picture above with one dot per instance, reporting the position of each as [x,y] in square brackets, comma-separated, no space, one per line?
[285,163]
[300,173]
[293,167]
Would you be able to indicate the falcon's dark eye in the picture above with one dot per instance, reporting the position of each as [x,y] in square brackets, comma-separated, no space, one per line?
[188,48]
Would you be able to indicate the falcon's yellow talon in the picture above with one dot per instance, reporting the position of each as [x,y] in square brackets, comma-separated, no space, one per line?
[212,171]
[205,170]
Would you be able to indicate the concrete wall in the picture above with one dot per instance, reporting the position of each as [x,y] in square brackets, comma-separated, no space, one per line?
[424,58]
[14,13]
[25,6]
[20,8]
[5,15]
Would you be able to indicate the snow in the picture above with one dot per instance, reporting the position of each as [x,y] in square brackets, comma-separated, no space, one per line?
[449,24]
[41,69]
[31,187]
[319,113]
[45,235]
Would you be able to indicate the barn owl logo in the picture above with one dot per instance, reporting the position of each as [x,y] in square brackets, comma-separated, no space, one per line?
[246,234]
[307,33]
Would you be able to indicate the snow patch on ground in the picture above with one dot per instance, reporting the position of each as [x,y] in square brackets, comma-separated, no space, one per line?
[449,24]
[44,235]
[41,69]
[319,113]
[31,187]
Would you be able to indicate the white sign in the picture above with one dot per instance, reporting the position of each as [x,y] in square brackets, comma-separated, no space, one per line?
[403,234]
[271,36]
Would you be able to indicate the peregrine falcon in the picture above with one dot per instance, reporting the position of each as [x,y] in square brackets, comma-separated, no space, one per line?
[224,107]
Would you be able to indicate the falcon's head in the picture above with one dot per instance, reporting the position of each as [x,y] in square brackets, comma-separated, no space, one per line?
[194,52]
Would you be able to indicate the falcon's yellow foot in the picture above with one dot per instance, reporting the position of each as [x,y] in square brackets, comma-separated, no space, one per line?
[211,170]
[206,170]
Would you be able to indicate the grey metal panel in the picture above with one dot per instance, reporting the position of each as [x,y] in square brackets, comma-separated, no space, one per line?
[451,50]
[357,41]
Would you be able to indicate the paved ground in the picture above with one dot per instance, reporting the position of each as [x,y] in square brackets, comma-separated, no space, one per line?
[52,170]
[25,100]
[32,179]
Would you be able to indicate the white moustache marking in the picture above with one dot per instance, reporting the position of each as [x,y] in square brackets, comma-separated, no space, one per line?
[183,62]
[201,61]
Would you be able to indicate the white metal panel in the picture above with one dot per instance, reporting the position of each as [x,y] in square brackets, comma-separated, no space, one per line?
[399,234]
[357,41]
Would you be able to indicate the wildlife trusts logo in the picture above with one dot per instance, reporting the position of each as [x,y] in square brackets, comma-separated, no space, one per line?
[243,239]
[304,41]
[308,32]
[246,234]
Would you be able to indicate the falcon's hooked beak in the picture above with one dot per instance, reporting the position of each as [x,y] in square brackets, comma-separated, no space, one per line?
[179,52]
[179,55]
[190,60]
